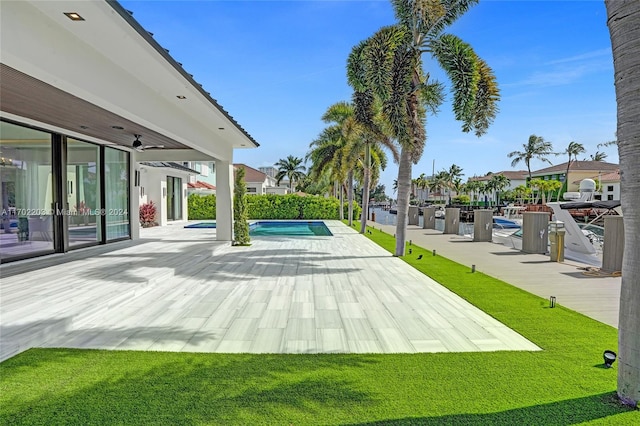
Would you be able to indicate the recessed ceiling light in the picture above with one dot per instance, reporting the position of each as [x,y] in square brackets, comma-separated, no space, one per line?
[74,16]
[220,128]
[181,97]
[84,127]
[117,127]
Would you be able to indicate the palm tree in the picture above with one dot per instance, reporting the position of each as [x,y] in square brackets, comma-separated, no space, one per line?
[292,168]
[598,156]
[536,148]
[623,19]
[573,149]
[387,68]
[521,191]
[454,173]
[499,183]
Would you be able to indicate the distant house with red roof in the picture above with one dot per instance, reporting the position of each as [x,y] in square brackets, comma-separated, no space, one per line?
[260,183]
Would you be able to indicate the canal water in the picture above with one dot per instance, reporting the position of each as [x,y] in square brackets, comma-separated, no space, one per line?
[385,218]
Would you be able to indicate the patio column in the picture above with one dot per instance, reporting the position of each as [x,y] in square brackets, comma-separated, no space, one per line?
[224,201]
[134,196]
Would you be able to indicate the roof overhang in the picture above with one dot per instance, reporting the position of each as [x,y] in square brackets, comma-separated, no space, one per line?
[106,78]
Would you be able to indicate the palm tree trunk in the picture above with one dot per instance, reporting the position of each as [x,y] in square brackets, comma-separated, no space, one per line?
[624,21]
[341,202]
[350,198]
[404,186]
[365,187]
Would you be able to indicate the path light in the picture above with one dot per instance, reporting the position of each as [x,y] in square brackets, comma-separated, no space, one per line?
[409,242]
[410,251]
[473,268]
[552,302]
[609,358]
[434,252]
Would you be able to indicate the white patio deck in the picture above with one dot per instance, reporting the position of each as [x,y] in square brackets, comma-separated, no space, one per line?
[178,290]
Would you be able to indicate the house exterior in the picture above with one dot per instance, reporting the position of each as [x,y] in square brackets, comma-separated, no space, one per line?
[260,183]
[165,184]
[578,170]
[516,178]
[80,83]
[609,185]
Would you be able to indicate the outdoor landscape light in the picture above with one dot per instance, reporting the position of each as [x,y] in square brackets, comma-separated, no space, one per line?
[609,358]
[552,302]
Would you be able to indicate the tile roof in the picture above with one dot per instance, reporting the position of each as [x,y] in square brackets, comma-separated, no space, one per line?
[509,174]
[251,174]
[583,166]
[611,177]
[200,185]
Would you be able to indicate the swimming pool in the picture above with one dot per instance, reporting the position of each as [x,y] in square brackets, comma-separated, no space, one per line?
[278,228]
[289,228]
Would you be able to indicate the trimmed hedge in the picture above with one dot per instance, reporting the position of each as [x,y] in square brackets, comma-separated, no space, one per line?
[272,206]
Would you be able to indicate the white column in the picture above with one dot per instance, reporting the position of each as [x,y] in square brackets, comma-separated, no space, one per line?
[224,200]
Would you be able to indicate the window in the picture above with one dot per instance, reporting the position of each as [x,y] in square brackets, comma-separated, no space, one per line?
[610,197]
[251,190]
[610,188]
[116,193]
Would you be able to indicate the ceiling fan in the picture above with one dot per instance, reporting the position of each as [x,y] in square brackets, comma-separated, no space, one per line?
[137,145]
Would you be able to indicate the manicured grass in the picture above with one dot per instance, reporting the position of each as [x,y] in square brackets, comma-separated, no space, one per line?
[563,384]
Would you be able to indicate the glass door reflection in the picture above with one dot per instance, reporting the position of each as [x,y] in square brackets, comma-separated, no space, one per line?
[83,189]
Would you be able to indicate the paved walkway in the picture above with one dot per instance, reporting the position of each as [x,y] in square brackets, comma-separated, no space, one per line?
[595,296]
[177,290]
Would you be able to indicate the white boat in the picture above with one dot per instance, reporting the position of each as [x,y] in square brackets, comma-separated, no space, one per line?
[582,242]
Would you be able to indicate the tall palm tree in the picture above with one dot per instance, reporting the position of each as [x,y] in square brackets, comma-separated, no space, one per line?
[499,183]
[388,68]
[623,19]
[454,173]
[572,150]
[536,147]
[292,168]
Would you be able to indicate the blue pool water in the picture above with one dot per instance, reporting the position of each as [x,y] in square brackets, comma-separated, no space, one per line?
[280,228]
[293,228]
[201,225]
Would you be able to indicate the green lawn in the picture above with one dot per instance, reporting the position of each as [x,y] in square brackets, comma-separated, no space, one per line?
[563,384]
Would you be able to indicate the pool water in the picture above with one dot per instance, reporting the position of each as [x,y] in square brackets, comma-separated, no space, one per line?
[202,225]
[280,228]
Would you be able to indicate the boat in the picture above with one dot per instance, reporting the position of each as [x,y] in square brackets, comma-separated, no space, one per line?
[583,242]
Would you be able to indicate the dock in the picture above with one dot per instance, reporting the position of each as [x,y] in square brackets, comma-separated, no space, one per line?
[594,295]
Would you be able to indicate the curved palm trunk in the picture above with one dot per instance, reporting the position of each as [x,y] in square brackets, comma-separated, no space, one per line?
[404,187]
[366,182]
[624,21]
[350,198]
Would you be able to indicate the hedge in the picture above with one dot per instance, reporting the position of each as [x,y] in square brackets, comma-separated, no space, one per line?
[272,206]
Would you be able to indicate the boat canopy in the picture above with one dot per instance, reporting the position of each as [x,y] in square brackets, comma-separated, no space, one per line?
[609,204]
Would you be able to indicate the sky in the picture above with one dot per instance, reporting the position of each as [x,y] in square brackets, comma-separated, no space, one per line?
[276,66]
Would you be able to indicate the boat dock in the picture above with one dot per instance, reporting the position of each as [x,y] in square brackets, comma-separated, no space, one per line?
[596,296]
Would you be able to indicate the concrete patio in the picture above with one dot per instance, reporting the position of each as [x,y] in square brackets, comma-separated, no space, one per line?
[177,289]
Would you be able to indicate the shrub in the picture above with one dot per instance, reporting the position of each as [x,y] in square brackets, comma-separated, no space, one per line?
[461,199]
[274,206]
[202,207]
[240,224]
[148,215]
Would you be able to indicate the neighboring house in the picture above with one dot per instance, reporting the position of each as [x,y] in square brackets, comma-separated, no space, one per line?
[165,183]
[206,171]
[609,185]
[200,188]
[516,178]
[578,170]
[86,92]
[272,172]
[260,183]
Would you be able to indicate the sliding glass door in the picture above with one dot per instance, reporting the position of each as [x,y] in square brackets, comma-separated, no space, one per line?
[83,193]
[116,187]
[174,198]
[26,182]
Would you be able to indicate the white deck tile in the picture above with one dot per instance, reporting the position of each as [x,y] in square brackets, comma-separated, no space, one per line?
[291,295]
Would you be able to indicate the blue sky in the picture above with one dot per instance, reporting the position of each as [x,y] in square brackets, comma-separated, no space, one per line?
[276,66]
